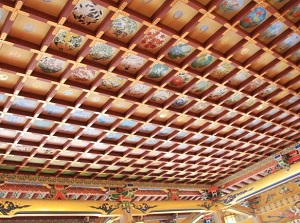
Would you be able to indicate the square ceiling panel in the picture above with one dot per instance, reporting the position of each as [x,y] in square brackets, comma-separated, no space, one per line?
[147,91]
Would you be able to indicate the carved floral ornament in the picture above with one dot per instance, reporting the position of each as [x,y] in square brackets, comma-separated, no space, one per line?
[110,208]
[6,207]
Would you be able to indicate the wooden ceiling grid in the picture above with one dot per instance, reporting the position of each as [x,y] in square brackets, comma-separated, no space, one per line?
[98,124]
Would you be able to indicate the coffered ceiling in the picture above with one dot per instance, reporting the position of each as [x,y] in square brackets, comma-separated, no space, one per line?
[161,93]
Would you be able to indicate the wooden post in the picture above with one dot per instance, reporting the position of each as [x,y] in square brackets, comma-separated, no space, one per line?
[126,216]
[218,216]
[257,218]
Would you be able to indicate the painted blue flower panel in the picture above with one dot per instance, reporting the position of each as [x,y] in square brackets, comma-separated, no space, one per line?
[264,126]
[181,134]
[179,51]
[254,18]
[197,137]
[101,51]
[43,124]
[91,132]
[123,27]
[289,42]
[158,70]
[210,139]
[165,131]
[68,128]
[179,102]
[14,119]
[202,61]
[273,30]
[127,124]
[52,109]
[229,6]
[161,96]
[24,103]
[113,136]
[106,119]
[138,90]
[167,144]
[133,139]
[148,127]
[81,114]
[150,142]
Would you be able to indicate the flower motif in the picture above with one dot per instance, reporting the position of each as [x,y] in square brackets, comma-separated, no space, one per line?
[179,51]
[123,27]
[222,70]
[132,62]
[158,70]
[197,136]
[234,98]
[54,109]
[288,42]
[81,114]
[110,81]
[273,30]
[68,128]
[254,18]
[148,127]
[138,89]
[133,139]
[160,96]
[128,123]
[199,107]
[239,78]
[14,119]
[151,142]
[165,131]
[42,124]
[20,102]
[202,61]
[220,91]
[179,102]
[68,92]
[201,86]
[106,119]
[178,14]
[83,74]
[153,39]
[180,79]
[216,111]
[67,41]
[294,12]
[229,6]
[101,51]
[29,28]
[92,132]
[24,148]
[87,13]
[50,65]
[181,134]
[296,56]
[113,135]
[268,90]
